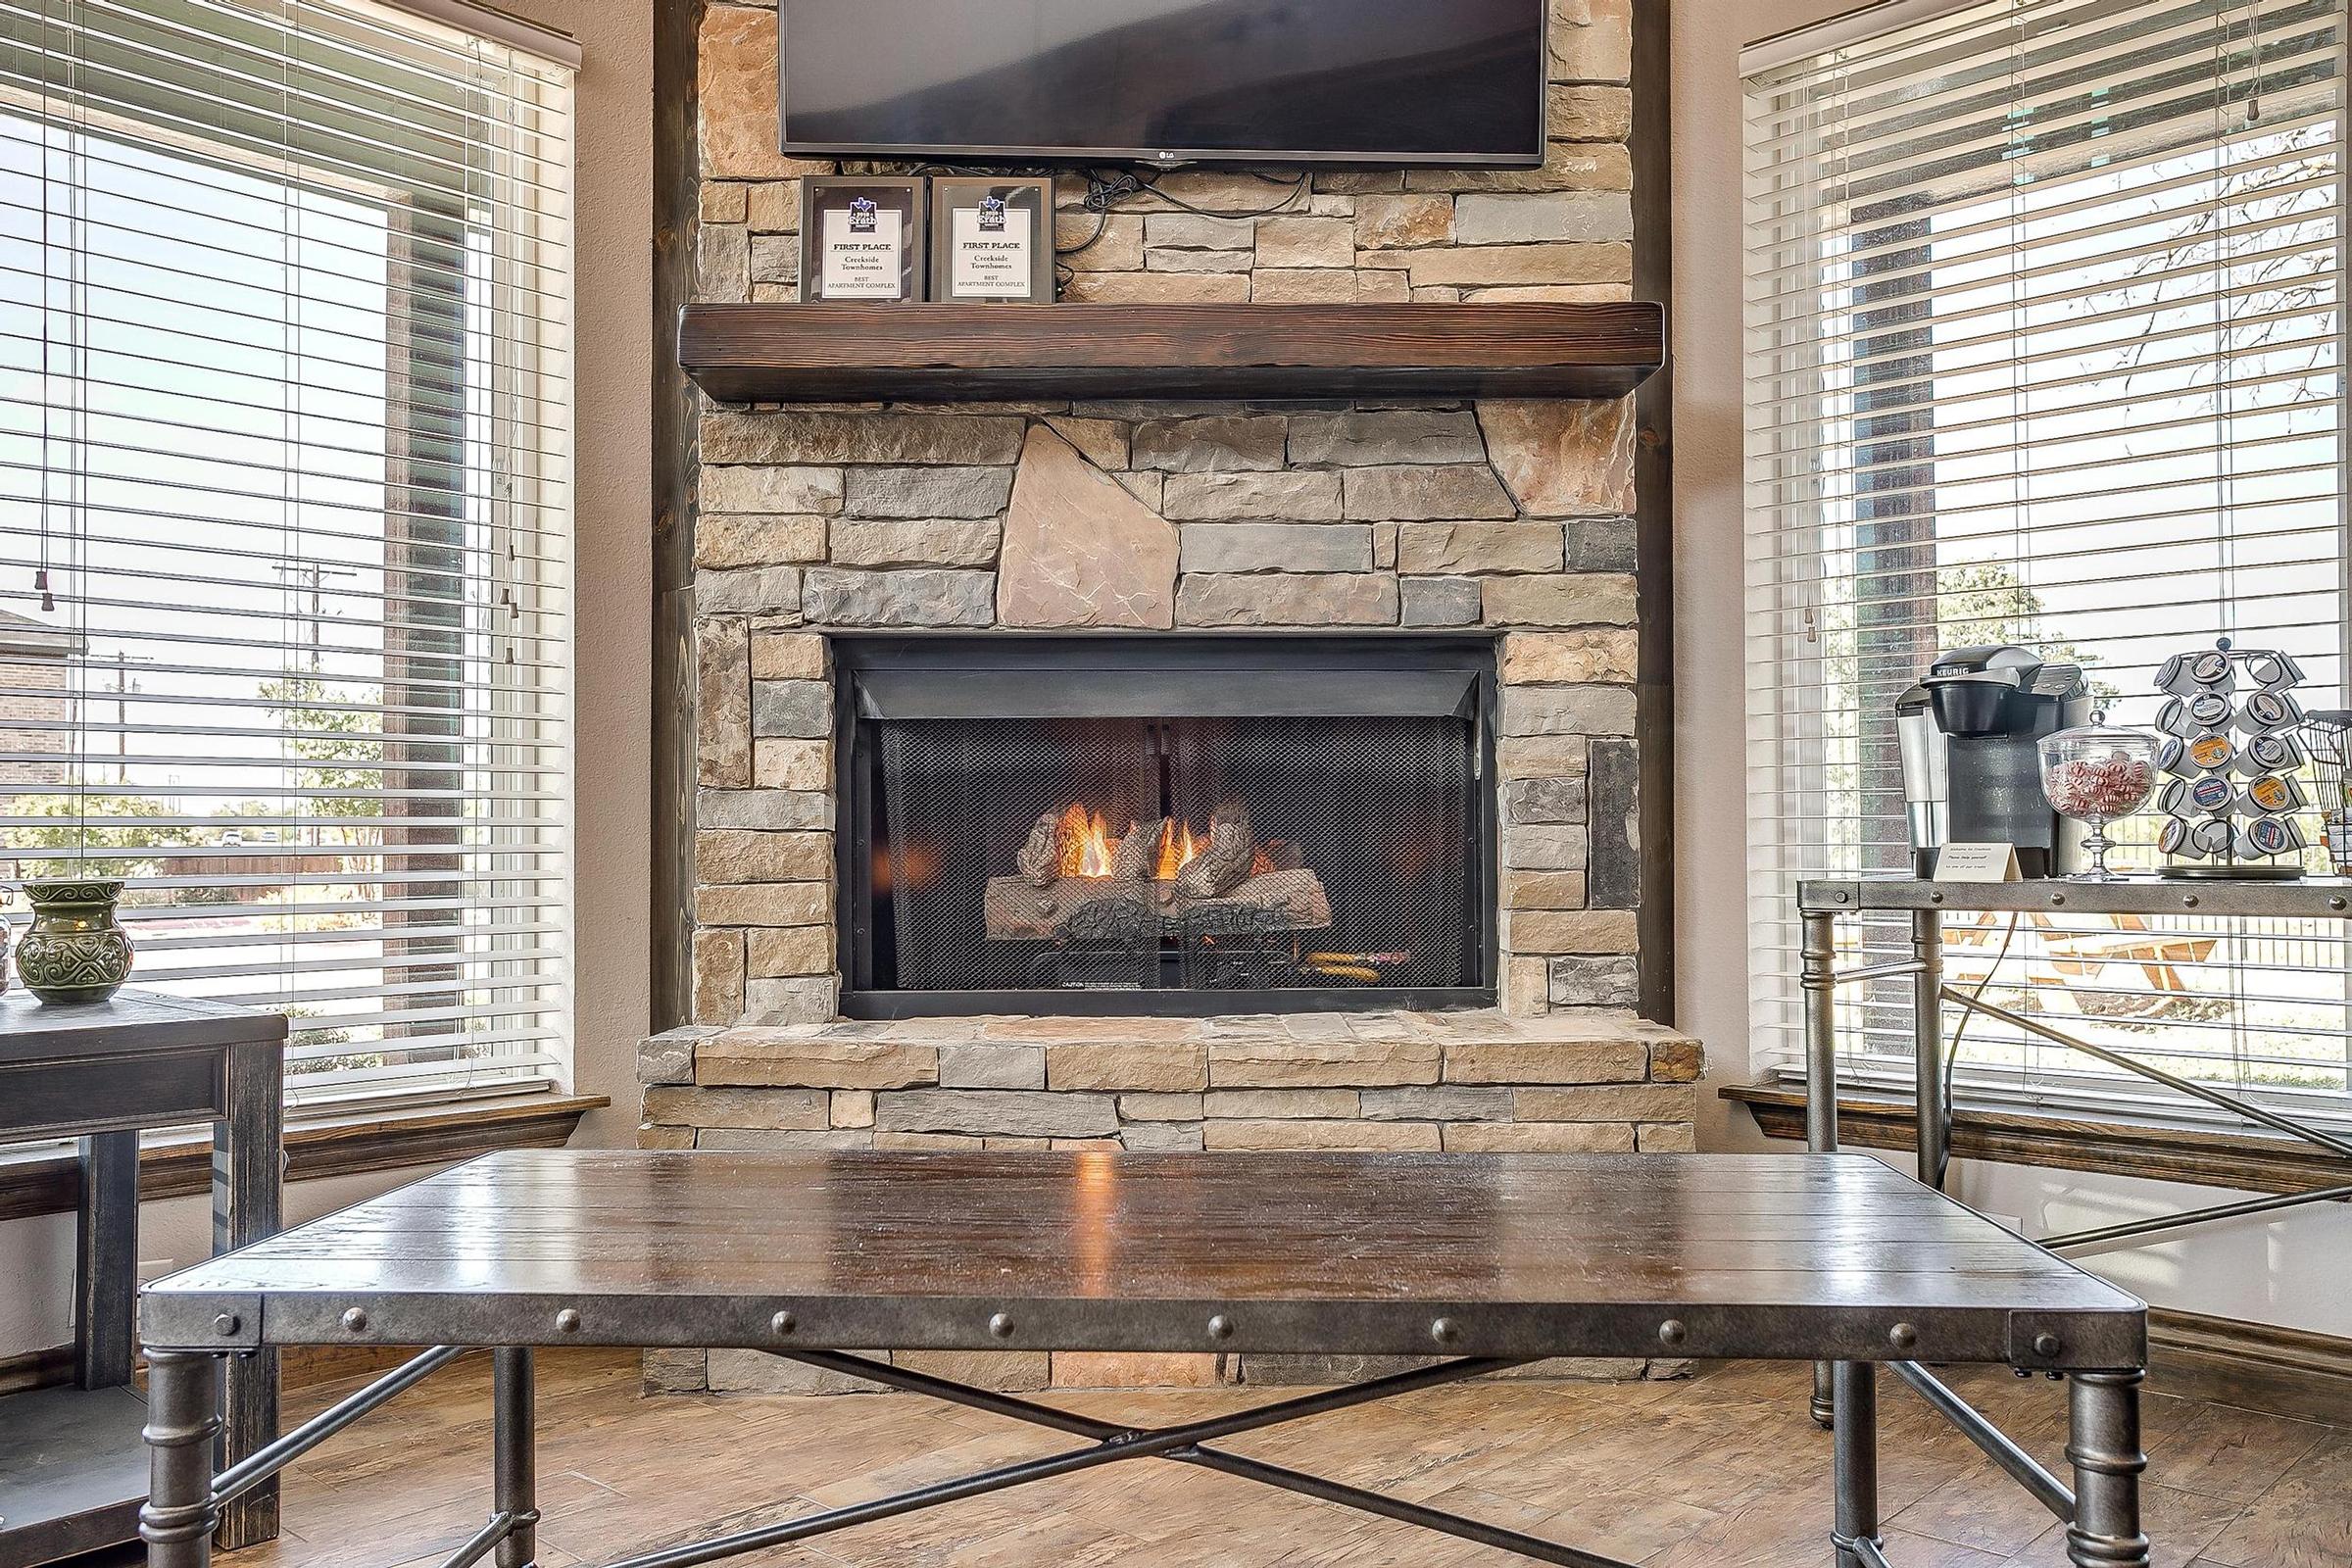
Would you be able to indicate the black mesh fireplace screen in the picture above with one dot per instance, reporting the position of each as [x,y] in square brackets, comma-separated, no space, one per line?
[1061,825]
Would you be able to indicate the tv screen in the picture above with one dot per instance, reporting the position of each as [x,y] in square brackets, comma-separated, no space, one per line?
[1167,81]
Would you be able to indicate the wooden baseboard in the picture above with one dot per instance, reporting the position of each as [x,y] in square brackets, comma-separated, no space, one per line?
[36,1369]
[2251,1365]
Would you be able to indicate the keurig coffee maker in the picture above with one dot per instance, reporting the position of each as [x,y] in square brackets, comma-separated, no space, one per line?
[1971,773]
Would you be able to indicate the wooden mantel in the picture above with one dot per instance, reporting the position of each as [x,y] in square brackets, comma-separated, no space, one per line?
[783,352]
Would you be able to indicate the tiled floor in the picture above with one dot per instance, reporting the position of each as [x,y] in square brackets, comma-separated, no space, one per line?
[1719,1470]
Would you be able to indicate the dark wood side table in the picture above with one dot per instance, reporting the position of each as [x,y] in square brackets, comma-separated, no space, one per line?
[73,1470]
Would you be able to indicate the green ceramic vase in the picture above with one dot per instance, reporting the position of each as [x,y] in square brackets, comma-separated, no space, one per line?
[76,950]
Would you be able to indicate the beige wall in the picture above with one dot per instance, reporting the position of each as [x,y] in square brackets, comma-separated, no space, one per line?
[612,589]
[2268,1271]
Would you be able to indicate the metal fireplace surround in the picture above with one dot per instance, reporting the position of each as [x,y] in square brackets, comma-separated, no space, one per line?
[1355,774]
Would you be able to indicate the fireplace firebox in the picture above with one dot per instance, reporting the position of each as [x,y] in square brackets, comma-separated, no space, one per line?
[1166,825]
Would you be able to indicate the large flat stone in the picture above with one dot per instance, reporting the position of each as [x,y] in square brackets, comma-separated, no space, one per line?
[1212,444]
[925,597]
[802,709]
[1375,437]
[1352,1137]
[1576,599]
[1439,548]
[1334,1063]
[809,1059]
[830,435]
[1548,1061]
[814,491]
[1135,1066]
[1587,656]
[1288,599]
[1568,711]
[1533,217]
[1079,550]
[763,810]
[926,492]
[914,542]
[1415,493]
[736,91]
[1302,494]
[722,703]
[997,1112]
[1439,602]
[1563,458]
[1276,547]
[779,1110]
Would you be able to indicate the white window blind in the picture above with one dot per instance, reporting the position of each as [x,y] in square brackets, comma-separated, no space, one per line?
[2045,345]
[284,516]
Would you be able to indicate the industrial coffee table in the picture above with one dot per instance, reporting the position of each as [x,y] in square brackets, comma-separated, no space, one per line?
[1484,1261]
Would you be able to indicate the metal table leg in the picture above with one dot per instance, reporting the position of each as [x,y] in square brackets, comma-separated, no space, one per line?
[1856,1450]
[183,1420]
[2103,1445]
[1927,1030]
[1818,981]
[248,1169]
[515,1461]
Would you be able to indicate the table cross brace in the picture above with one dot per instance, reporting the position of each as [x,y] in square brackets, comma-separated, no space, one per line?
[1111,1443]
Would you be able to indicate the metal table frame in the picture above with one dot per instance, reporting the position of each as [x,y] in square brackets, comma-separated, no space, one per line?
[1822,902]
[192,1330]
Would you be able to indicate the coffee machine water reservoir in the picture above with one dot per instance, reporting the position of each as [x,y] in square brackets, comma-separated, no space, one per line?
[1969,734]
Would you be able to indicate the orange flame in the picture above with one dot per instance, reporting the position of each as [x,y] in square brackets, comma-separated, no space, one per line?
[1087,846]
[1089,850]
[1176,850]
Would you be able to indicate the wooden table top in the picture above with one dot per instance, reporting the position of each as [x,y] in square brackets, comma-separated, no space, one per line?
[1608,1255]
[128,1021]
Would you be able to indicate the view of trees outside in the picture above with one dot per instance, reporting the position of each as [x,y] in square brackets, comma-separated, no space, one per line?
[2098,415]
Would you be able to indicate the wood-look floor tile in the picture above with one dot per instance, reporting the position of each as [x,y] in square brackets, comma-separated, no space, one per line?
[1723,1468]
[2304,1521]
[2179,1525]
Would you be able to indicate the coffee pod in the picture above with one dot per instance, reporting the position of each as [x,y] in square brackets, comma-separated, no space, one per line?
[2210,711]
[2269,710]
[2214,671]
[2173,759]
[2177,840]
[2269,753]
[2268,836]
[2273,792]
[2212,753]
[2173,718]
[2211,836]
[2275,672]
[2211,794]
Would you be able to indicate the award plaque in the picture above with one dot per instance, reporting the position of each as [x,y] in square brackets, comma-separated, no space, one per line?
[862,239]
[992,241]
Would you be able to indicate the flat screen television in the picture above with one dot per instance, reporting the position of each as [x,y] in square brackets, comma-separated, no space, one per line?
[1166,82]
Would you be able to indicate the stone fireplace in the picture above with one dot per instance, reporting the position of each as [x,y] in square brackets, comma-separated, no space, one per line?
[1193,826]
[978,686]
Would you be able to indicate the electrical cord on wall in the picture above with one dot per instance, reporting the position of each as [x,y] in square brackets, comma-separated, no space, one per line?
[1107,190]
[1951,1053]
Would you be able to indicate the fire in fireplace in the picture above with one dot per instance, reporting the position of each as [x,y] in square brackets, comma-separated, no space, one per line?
[1165,824]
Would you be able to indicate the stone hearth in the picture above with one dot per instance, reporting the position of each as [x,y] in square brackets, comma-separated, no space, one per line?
[1476,1082]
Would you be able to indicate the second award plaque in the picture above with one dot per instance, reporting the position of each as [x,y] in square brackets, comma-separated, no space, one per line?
[992,241]
[862,239]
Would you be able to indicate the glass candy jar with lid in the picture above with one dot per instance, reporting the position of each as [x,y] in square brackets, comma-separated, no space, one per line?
[2097,774]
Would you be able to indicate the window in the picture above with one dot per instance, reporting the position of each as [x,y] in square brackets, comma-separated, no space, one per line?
[284,517]
[2045,344]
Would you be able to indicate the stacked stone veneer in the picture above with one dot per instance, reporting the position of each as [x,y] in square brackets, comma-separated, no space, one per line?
[1468,1082]
[1162,518]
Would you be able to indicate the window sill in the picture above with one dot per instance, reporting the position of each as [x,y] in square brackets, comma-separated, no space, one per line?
[325,1146]
[2255,1162]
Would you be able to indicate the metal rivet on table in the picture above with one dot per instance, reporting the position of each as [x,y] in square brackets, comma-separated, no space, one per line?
[227,1323]
[2337,902]
[1902,1335]
[567,1321]
[2189,901]
[2057,898]
[1672,1332]
[1001,1325]
[1220,1327]
[1444,1331]
[783,1323]
[1934,898]
[355,1321]
[2046,1346]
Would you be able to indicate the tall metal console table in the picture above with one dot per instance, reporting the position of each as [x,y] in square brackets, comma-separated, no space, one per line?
[73,1468]
[1823,902]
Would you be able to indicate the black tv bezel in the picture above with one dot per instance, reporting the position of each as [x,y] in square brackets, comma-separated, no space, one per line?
[1167,158]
